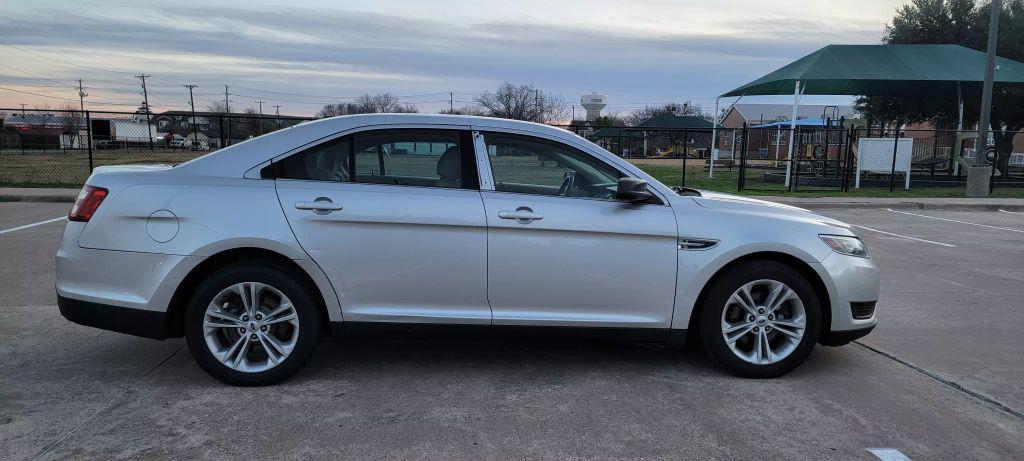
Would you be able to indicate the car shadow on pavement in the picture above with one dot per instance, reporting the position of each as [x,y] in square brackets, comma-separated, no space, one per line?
[527,357]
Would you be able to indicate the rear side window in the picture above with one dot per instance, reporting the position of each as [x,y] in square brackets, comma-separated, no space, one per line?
[325,162]
[404,157]
[415,157]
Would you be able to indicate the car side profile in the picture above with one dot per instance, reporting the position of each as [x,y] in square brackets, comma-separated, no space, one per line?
[395,223]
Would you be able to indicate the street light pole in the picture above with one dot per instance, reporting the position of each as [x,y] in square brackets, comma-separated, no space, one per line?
[979,175]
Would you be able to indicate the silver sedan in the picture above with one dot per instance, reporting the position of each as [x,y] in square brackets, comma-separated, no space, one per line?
[404,224]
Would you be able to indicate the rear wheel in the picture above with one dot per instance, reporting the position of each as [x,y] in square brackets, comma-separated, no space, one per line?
[251,324]
[760,320]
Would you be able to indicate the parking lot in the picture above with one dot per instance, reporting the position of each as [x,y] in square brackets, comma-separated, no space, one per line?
[940,378]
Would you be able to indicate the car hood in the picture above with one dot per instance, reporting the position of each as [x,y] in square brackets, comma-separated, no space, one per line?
[748,205]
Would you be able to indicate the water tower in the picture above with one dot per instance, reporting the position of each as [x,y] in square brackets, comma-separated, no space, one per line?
[593,103]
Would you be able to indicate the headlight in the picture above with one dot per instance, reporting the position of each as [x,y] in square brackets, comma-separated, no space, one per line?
[851,246]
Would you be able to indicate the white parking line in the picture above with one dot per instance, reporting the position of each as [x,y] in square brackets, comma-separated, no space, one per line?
[904,236]
[26,226]
[1011,212]
[887,454]
[954,220]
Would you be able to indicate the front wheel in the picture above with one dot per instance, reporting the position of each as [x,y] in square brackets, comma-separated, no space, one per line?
[251,324]
[760,320]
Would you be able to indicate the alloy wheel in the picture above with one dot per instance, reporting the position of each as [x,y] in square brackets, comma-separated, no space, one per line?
[763,322]
[250,327]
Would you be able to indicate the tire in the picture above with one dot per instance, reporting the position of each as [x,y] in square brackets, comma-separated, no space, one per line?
[782,352]
[271,349]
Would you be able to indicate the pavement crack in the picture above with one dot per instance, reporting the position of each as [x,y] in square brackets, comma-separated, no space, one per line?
[127,388]
[948,382]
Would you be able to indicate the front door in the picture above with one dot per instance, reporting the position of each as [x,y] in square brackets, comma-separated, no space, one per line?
[562,251]
[395,220]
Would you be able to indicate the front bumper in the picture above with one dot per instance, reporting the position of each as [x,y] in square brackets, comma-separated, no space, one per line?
[838,338]
[849,280]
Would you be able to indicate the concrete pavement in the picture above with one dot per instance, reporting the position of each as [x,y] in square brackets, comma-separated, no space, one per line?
[68,391]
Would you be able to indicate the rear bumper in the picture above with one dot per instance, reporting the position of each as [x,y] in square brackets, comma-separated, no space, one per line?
[138,322]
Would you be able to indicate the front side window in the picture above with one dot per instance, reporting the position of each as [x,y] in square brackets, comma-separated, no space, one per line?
[528,165]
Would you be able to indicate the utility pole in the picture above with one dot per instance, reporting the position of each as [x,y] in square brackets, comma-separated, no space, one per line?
[192,102]
[979,174]
[451,102]
[145,106]
[81,95]
[23,110]
[227,110]
[277,110]
[261,115]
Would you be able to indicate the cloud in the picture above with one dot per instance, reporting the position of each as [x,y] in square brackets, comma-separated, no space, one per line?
[311,50]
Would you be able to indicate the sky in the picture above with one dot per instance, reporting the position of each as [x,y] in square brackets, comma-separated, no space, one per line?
[301,54]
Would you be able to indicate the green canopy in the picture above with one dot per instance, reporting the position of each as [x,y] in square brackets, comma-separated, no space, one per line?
[883,70]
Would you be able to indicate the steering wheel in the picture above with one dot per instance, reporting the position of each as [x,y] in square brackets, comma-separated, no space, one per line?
[568,182]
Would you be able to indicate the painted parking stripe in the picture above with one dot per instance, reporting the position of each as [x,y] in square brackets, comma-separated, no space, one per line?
[956,221]
[887,454]
[26,226]
[950,245]
[1011,212]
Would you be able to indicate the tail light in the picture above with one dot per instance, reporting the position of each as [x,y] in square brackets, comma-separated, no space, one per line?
[87,202]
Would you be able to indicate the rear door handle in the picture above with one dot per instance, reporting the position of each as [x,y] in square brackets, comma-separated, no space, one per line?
[321,205]
[522,214]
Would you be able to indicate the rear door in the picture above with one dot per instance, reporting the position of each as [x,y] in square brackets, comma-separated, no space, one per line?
[395,219]
[561,250]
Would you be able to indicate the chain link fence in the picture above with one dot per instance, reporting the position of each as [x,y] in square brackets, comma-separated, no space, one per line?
[54,148]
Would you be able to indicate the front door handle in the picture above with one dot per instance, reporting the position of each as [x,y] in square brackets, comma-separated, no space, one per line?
[320,205]
[523,214]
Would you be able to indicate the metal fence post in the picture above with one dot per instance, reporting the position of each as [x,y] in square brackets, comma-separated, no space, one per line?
[795,160]
[686,153]
[742,176]
[895,147]
[88,137]
[846,162]
[221,124]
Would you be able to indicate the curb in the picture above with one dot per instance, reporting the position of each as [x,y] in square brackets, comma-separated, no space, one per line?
[910,205]
[37,198]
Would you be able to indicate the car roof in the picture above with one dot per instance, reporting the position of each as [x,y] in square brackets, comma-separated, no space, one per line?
[227,161]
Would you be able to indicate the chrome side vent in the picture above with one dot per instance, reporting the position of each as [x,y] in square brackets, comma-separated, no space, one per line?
[691,243]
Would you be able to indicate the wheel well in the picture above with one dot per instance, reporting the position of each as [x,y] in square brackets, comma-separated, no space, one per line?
[183,294]
[805,270]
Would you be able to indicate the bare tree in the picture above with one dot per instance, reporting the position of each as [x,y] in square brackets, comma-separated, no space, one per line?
[686,108]
[368,104]
[217,107]
[464,110]
[523,102]
[71,119]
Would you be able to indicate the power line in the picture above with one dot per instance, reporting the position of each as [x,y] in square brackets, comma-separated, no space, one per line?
[60,98]
[67,62]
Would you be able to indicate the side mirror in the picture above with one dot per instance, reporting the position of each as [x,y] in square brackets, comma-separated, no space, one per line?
[633,190]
